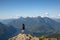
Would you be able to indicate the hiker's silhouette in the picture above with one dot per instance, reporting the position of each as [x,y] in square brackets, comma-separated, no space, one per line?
[23,28]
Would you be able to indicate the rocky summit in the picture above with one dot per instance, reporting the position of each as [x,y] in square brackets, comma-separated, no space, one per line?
[24,37]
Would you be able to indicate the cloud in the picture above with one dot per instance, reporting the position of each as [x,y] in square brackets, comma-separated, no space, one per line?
[56,16]
[9,17]
[59,15]
[46,14]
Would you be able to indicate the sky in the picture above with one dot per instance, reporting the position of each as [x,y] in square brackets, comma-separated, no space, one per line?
[31,8]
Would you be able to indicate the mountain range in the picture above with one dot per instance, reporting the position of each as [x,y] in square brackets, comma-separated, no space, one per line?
[35,26]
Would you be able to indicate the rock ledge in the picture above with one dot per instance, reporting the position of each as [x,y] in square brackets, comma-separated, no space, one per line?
[24,37]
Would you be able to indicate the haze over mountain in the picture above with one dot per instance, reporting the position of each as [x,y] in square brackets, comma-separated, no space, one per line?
[37,25]
[6,21]
[28,20]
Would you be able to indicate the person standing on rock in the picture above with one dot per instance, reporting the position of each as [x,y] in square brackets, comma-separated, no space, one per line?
[23,28]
